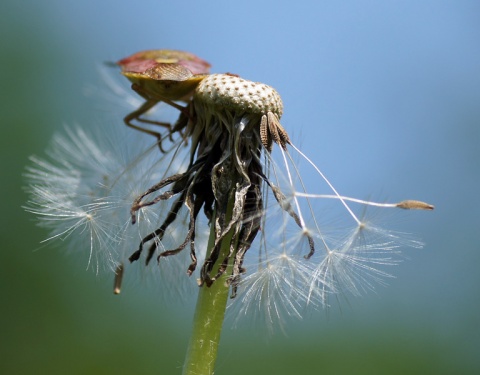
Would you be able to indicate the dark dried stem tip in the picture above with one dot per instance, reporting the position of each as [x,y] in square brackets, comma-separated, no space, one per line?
[117,283]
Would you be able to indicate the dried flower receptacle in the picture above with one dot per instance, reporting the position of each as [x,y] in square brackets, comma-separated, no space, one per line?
[231,121]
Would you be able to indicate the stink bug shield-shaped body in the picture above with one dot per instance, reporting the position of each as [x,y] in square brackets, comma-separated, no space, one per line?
[162,76]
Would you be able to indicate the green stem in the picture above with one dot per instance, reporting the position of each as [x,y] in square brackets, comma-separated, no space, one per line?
[209,314]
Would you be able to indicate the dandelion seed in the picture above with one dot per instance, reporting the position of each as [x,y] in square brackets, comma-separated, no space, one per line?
[415,205]
[273,290]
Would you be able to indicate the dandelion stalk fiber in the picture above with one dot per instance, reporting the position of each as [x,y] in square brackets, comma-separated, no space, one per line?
[210,312]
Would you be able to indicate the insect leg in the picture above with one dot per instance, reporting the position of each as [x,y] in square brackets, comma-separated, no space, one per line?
[135,115]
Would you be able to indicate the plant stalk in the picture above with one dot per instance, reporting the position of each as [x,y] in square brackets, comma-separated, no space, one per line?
[210,312]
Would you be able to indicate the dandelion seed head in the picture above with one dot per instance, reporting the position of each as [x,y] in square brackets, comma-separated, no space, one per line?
[294,241]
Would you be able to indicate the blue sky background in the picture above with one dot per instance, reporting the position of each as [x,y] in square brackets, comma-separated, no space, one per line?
[384,96]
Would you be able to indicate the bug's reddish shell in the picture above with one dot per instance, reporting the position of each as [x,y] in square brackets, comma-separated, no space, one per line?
[140,62]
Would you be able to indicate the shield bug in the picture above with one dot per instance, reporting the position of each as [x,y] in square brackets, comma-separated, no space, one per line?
[162,76]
